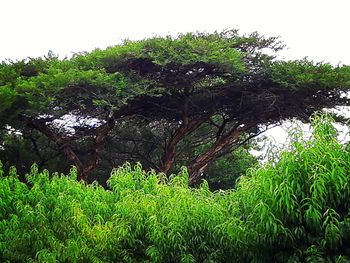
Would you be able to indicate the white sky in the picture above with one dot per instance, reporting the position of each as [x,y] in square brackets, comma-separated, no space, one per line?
[318,29]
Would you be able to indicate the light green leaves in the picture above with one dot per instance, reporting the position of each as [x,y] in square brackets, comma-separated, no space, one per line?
[306,74]
[294,210]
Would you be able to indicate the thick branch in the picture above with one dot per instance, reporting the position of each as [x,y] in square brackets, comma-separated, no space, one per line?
[64,147]
[60,140]
[200,164]
[100,135]
[170,150]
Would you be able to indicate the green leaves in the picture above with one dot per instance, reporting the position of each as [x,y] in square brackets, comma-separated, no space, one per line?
[300,74]
[294,210]
[192,48]
[306,192]
[232,77]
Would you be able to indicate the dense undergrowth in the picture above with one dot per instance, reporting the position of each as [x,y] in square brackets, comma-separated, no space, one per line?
[295,210]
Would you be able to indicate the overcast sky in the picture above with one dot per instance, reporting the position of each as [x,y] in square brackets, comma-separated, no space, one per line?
[318,29]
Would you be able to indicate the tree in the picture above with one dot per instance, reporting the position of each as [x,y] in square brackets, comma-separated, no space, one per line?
[218,89]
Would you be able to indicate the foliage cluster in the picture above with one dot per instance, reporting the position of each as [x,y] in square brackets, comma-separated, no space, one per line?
[163,101]
[295,210]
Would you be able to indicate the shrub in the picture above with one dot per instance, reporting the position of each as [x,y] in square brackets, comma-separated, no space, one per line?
[295,210]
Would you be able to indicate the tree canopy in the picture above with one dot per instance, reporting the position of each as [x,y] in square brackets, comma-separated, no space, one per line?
[167,101]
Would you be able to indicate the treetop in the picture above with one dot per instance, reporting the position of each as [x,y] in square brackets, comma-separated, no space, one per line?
[218,72]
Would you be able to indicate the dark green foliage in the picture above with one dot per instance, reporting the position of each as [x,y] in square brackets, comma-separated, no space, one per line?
[214,89]
[23,149]
[296,210]
[224,172]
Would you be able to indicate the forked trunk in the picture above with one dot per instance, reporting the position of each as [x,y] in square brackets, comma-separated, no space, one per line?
[63,144]
[199,165]
[170,149]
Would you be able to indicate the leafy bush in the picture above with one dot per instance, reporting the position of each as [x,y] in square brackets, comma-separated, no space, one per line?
[296,210]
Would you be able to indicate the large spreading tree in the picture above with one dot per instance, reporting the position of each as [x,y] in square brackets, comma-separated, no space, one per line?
[167,101]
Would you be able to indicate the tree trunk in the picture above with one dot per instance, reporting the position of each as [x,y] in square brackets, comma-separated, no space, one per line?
[101,133]
[63,144]
[170,150]
[198,166]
